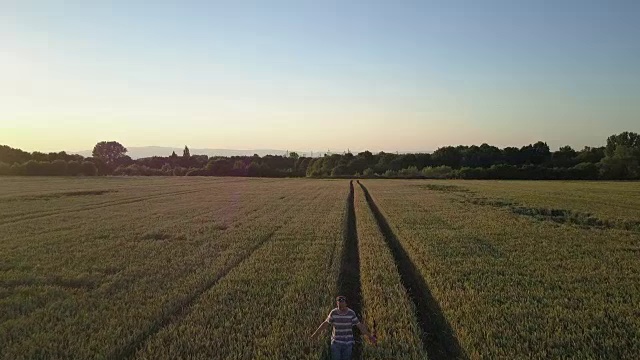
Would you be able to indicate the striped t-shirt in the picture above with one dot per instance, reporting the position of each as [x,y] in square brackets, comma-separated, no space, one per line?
[342,325]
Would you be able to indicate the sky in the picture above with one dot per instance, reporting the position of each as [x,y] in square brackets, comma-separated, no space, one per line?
[317,75]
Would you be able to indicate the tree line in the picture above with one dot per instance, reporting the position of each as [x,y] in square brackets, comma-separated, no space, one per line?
[619,159]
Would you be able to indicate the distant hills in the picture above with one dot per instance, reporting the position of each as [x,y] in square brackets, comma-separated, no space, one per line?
[149,151]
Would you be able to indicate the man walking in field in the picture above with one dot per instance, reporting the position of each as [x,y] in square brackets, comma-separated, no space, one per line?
[343,320]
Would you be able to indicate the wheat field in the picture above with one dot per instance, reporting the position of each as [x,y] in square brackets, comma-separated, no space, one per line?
[239,268]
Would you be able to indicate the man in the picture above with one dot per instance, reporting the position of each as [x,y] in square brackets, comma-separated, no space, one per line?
[343,320]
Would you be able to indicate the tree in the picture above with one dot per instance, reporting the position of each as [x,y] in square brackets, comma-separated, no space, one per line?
[166,169]
[253,169]
[186,154]
[368,172]
[33,167]
[511,156]
[109,152]
[58,167]
[590,155]
[624,163]
[10,155]
[89,168]
[294,155]
[17,169]
[448,156]
[219,167]
[74,168]
[536,154]
[314,169]
[5,169]
[628,139]
[564,157]
[622,157]
[339,170]
[239,168]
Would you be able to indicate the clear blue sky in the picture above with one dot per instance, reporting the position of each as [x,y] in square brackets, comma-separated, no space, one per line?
[390,75]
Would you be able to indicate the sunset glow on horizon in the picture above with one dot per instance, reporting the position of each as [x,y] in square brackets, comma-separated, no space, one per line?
[304,75]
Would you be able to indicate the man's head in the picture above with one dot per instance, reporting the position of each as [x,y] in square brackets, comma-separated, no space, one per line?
[341,301]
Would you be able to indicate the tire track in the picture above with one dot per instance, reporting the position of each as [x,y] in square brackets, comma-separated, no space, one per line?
[181,309]
[349,277]
[438,338]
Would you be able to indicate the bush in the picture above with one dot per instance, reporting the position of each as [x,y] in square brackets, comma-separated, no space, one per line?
[74,168]
[179,171]
[58,168]
[138,170]
[5,169]
[18,169]
[198,172]
[390,174]
[438,172]
[339,170]
[470,173]
[369,172]
[503,171]
[411,172]
[32,168]
[88,168]
[585,170]
[166,170]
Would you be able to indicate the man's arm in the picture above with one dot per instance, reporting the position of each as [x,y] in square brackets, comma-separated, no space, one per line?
[363,329]
[365,332]
[320,329]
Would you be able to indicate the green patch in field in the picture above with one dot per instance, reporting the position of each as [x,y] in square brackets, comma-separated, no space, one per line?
[483,246]
[492,202]
[445,188]
[632,249]
[562,216]
[87,282]
[20,302]
[211,228]
[158,235]
[58,195]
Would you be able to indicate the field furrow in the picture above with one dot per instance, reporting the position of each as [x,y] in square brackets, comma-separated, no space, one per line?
[349,276]
[437,337]
[388,310]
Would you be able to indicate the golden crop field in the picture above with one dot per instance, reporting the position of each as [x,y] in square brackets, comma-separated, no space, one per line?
[247,268]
